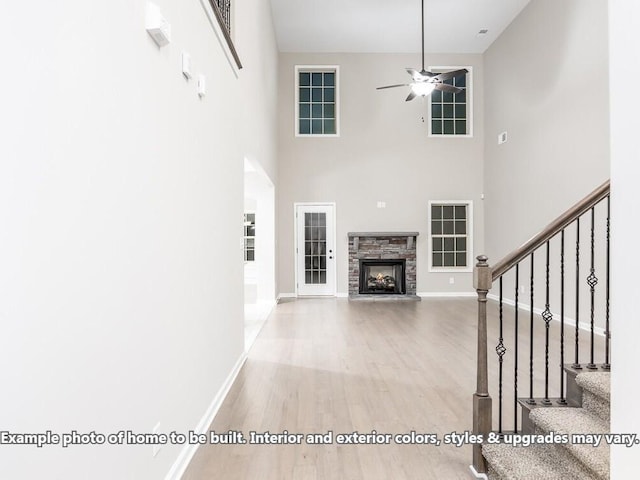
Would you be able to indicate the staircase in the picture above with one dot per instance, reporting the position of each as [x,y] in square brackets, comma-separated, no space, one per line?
[561,461]
[551,307]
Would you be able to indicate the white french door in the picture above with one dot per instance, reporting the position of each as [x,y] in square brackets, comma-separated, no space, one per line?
[315,249]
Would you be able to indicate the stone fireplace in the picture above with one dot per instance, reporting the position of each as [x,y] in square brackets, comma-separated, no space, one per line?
[382,265]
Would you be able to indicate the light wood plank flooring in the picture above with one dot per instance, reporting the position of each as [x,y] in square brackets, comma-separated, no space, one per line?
[322,365]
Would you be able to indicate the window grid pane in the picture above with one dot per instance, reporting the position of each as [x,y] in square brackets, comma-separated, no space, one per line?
[317,102]
[449,110]
[449,235]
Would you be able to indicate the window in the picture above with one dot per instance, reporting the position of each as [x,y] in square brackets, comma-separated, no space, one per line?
[450,113]
[450,229]
[316,101]
[249,237]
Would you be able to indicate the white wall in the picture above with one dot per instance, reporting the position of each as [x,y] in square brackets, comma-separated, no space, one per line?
[121,198]
[383,153]
[624,22]
[545,85]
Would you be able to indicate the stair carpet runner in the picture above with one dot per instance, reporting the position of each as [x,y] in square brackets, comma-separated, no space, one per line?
[561,460]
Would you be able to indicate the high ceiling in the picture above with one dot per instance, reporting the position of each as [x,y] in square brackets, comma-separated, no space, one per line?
[391,26]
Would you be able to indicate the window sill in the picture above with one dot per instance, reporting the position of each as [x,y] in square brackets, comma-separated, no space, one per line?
[450,270]
[431,135]
[311,135]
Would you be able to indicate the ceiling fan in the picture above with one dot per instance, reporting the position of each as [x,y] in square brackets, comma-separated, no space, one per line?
[425,82]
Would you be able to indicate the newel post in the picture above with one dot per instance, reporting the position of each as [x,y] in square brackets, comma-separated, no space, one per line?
[481,400]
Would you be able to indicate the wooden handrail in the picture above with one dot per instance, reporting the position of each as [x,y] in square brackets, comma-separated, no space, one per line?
[550,230]
[225,31]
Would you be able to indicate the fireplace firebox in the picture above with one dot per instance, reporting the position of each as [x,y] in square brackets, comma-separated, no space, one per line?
[382,277]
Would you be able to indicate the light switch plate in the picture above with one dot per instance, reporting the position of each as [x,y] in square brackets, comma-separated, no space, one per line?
[202,86]
[186,65]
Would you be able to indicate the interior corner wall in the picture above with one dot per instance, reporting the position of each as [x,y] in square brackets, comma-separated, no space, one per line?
[121,200]
[384,154]
[546,85]
[624,21]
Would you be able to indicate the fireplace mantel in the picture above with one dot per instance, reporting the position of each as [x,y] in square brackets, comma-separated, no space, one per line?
[356,236]
[383,234]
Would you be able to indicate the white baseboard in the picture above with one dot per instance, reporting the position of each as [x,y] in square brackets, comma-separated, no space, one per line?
[474,474]
[446,294]
[342,295]
[556,316]
[188,451]
[285,295]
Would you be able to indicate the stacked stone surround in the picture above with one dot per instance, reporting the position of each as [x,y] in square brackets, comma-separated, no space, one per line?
[382,246]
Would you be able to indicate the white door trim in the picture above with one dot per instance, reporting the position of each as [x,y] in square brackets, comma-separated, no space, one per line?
[331,205]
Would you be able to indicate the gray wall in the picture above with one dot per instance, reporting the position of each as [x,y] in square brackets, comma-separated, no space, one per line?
[121,204]
[546,85]
[383,153]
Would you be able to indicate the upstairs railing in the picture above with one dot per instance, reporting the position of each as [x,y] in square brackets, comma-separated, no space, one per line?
[222,11]
[526,259]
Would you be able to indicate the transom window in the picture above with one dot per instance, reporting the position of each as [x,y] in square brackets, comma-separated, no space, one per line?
[450,113]
[450,236]
[316,101]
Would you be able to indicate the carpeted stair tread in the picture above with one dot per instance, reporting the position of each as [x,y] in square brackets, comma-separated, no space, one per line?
[596,388]
[535,462]
[577,421]
[598,383]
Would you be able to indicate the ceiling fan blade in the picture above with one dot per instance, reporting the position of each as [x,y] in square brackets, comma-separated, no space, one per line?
[393,86]
[447,88]
[440,77]
[411,96]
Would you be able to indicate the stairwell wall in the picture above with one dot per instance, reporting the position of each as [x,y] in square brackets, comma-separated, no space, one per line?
[546,85]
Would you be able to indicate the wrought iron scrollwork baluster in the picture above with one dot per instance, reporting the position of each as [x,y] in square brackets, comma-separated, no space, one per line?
[531,400]
[547,316]
[500,350]
[592,281]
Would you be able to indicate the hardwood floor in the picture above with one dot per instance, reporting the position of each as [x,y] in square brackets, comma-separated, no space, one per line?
[321,365]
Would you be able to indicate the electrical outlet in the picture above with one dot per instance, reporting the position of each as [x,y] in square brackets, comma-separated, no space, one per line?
[522,289]
[156,447]
[382,204]
[452,280]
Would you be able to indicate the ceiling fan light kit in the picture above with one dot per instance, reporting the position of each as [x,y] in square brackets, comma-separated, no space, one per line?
[422,88]
[425,82]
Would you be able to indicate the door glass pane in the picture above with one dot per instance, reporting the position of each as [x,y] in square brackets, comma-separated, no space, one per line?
[315,229]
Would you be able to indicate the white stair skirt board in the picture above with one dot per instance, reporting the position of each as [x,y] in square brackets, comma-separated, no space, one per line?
[475,474]
[188,451]
[556,316]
